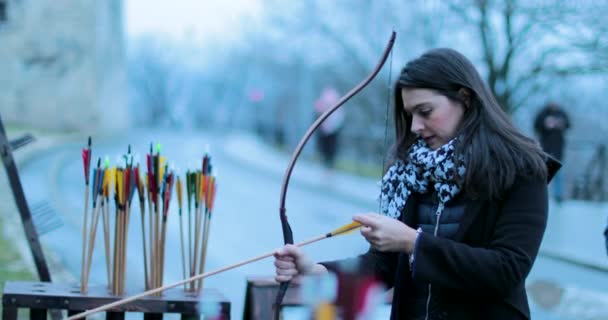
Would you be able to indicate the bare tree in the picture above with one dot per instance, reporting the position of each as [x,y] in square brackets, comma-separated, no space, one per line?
[525,43]
[299,47]
[336,44]
[155,83]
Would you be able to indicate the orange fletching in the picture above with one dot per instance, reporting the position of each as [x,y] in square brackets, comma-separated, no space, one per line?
[346,228]
[211,193]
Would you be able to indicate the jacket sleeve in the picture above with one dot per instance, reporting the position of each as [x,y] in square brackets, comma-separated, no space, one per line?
[505,262]
[539,126]
[566,121]
[381,264]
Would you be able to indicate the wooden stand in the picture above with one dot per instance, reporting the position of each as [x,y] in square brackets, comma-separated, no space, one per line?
[261,294]
[39,297]
[260,298]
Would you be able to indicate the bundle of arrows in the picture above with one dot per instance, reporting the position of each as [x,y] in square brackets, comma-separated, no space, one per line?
[200,189]
[154,191]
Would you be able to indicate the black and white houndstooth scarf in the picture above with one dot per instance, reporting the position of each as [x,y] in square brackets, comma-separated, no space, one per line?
[425,166]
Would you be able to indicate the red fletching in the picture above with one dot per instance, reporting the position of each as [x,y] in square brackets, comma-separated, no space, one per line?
[86,158]
[137,180]
[158,179]
[148,163]
[167,195]
[150,174]
[205,164]
[136,174]
[86,161]
[151,179]
[205,187]
[89,149]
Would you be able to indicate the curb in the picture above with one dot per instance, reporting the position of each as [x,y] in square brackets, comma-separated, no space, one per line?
[554,255]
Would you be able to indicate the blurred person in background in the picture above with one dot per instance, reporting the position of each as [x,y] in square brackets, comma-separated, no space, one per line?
[463,202]
[328,136]
[550,125]
[606,237]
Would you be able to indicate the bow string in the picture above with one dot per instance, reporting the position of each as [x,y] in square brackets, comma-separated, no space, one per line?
[287,231]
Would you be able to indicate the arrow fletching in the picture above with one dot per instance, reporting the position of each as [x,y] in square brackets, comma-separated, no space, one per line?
[178,189]
[345,229]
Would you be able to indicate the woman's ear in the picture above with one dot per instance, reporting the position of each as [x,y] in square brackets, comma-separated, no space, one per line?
[466,96]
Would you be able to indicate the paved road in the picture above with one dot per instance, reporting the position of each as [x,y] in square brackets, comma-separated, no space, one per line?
[246,221]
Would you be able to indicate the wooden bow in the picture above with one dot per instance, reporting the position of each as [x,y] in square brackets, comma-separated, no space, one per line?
[287,232]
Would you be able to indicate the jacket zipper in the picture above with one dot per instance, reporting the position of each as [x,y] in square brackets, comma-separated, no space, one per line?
[428,299]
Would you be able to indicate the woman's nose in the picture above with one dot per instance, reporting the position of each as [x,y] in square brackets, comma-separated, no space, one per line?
[417,125]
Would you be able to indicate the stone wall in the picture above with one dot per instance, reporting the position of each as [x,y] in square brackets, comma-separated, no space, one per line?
[62,64]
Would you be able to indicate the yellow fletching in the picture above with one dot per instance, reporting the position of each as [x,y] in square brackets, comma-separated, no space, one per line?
[325,311]
[161,170]
[346,228]
[178,189]
[119,185]
[108,180]
[141,185]
[199,187]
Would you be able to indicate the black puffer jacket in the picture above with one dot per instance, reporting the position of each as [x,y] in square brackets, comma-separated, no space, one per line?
[443,226]
[481,271]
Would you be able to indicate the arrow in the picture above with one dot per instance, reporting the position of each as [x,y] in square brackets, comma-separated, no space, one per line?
[339,231]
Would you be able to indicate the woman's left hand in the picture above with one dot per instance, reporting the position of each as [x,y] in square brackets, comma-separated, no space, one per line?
[386,234]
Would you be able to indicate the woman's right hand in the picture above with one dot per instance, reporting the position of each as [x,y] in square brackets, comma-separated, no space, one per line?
[290,261]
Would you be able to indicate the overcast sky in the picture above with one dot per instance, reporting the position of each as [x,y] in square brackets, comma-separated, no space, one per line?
[179,19]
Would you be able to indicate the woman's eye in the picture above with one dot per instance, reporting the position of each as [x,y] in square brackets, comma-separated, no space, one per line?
[425,112]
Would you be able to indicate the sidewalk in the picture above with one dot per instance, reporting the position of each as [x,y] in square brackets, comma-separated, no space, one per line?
[574,231]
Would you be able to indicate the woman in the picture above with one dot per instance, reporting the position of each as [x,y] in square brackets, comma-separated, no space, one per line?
[464,202]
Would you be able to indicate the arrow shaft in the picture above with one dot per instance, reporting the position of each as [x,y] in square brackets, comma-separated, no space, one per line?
[194,278]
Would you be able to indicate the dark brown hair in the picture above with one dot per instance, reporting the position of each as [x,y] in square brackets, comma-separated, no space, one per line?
[494,151]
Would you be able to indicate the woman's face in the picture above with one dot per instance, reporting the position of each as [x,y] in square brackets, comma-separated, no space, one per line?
[435,118]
